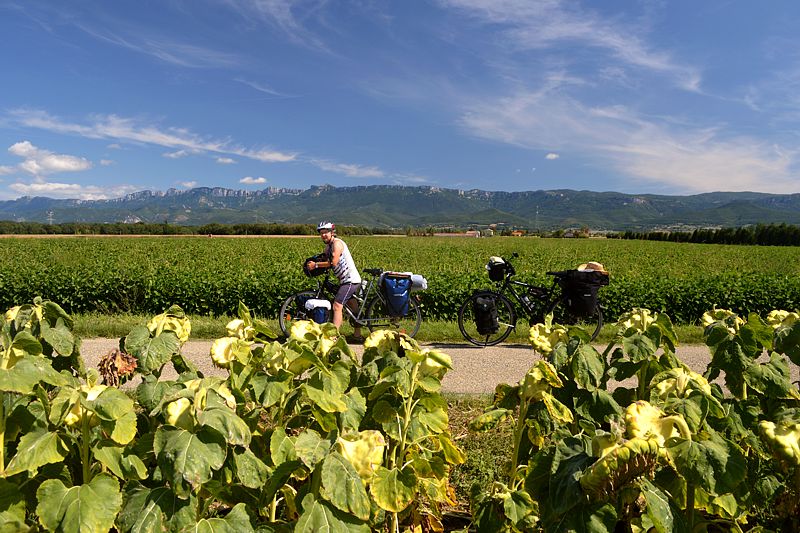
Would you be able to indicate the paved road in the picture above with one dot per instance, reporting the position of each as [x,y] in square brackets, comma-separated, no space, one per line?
[475,370]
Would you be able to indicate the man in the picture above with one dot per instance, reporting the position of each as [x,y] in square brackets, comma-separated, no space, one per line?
[343,267]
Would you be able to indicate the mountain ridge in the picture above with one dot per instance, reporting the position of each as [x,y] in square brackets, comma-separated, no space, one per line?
[398,206]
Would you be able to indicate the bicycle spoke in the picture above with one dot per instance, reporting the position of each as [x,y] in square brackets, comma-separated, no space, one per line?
[379,317]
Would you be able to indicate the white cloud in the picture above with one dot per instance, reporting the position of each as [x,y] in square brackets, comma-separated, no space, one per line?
[70,190]
[188,184]
[39,162]
[6,170]
[182,140]
[106,162]
[130,130]
[249,180]
[350,170]
[268,156]
[551,156]
[115,146]
[676,156]
[226,161]
[177,154]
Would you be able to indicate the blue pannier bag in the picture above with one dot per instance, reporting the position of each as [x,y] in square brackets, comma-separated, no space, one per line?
[318,310]
[397,289]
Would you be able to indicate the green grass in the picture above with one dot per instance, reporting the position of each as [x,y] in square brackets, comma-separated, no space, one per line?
[487,454]
[90,325]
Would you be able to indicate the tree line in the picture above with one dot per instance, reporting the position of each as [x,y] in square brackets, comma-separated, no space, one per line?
[148,228]
[760,234]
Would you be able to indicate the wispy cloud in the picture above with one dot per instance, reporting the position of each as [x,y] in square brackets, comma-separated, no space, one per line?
[183,140]
[130,130]
[529,25]
[411,179]
[178,154]
[4,170]
[188,184]
[285,15]
[552,156]
[249,180]
[263,88]
[226,161]
[167,50]
[106,162]
[349,170]
[686,158]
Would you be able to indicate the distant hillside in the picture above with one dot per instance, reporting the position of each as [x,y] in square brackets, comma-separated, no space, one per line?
[389,206]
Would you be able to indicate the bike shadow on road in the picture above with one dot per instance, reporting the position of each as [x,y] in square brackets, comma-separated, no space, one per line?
[468,346]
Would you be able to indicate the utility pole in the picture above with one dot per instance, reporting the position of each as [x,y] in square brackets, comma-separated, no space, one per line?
[50,217]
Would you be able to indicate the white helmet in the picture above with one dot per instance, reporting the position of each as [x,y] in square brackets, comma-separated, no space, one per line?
[325,225]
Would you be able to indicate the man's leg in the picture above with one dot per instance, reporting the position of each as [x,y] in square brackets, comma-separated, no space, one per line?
[337,315]
[352,303]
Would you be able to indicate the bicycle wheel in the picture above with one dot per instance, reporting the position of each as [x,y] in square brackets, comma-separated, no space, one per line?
[379,317]
[294,309]
[506,318]
[591,324]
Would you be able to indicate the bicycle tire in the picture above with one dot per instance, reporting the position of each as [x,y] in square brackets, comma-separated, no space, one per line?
[591,324]
[378,317]
[292,310]
[506,315]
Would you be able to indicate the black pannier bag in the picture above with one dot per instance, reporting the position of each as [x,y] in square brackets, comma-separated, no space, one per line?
[580,290]
[485,309]
[317,271]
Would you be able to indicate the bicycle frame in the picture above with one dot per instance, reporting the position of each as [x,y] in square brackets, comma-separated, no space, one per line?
[549,295]
[362,296]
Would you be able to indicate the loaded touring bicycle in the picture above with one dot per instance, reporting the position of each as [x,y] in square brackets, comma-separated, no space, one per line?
[386,300]
[488,316]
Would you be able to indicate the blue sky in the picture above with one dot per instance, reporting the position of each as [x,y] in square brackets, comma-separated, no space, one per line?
[103,98]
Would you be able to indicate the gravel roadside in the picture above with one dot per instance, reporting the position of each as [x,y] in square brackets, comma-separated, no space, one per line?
[475,370]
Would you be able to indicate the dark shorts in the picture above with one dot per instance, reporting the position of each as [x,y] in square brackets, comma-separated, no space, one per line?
[346,291]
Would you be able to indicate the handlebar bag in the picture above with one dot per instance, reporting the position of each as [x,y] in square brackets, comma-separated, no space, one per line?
[485,309]
[397,289]
[317,271]
[497,268]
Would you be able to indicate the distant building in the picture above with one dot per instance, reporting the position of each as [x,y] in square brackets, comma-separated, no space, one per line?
[517,233]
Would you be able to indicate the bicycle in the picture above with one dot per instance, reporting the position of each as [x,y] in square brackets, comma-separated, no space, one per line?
[536,302]
[375,314]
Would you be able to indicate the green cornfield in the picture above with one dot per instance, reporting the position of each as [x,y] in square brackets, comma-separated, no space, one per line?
[209,276]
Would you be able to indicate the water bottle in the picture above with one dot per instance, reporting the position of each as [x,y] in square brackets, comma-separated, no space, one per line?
[526,300]
[362,291]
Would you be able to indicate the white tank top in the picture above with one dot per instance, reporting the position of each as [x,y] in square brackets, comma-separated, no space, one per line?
[346,270]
